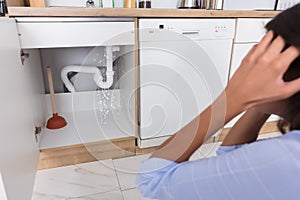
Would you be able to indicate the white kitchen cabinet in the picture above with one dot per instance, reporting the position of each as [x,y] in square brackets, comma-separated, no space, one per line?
[81,41]
[250,30]
[24,104]
[21,102]
[72,32]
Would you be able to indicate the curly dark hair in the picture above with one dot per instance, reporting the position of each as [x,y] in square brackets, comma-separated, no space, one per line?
[287,25]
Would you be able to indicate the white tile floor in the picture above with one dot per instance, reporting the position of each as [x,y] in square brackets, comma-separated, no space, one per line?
[107,179]
[102,180]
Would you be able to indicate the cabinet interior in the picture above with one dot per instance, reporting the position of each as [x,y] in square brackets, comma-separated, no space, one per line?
[93,114]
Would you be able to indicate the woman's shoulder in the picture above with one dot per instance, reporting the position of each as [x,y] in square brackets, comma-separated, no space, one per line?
[290,137]
[269,147]
[289,142]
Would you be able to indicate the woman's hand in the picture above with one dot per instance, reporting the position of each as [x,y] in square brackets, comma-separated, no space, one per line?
[259,78]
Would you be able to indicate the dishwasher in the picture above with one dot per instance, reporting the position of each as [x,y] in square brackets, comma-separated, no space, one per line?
[184,66]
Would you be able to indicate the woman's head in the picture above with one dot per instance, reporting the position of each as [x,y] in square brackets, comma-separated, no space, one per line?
[287,25]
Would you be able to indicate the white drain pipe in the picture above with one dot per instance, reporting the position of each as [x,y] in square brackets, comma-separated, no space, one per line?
[109,68]
[80,69]
[92,70]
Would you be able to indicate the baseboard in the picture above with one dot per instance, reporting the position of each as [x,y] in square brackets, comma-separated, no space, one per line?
[89,152]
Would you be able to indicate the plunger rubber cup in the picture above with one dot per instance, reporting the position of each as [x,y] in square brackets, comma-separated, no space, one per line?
[56,122]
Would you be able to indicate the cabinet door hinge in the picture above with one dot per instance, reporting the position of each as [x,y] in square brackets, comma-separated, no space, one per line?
[23,56]
[37,131]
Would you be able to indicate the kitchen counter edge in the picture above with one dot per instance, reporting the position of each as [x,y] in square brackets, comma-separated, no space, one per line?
[135,12]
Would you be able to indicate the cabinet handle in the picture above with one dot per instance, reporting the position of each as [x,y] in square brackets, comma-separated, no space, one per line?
[190,32]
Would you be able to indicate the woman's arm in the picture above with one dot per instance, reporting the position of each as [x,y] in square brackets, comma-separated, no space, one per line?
[258,80]
[246,129]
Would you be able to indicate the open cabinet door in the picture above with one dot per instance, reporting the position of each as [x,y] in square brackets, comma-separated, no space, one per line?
[19,151]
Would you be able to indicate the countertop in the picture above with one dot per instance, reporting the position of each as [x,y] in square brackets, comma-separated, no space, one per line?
[134,12]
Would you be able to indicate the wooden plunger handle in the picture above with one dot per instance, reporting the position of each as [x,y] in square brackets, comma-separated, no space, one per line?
[50,81]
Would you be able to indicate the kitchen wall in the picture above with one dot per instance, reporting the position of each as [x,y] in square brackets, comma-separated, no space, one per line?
[249,5]
[118,3]
[164,3]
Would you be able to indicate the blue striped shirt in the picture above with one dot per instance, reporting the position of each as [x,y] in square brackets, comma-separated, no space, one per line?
[267,169]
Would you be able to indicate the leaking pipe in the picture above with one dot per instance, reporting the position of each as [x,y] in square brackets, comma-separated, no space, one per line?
[80,69]
[93,70]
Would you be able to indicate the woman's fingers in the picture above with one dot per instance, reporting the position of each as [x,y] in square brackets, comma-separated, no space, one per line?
[262,46]
[275,48]
[260,76]
[275,68]
[251,50]
[256,51]
[286,58]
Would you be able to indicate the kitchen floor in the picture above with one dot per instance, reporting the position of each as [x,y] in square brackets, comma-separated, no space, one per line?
[112,179]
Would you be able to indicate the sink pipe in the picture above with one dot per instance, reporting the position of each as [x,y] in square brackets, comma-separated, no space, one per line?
[92,70]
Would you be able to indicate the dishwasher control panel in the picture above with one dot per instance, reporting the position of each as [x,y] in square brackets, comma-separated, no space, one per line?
[191,28]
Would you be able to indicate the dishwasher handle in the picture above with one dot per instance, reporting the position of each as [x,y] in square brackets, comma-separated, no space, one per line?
[190,32]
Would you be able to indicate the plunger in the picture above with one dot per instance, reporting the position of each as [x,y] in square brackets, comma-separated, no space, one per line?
[56,121]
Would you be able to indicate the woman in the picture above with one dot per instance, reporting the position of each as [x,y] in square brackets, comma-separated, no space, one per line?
[265,83]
